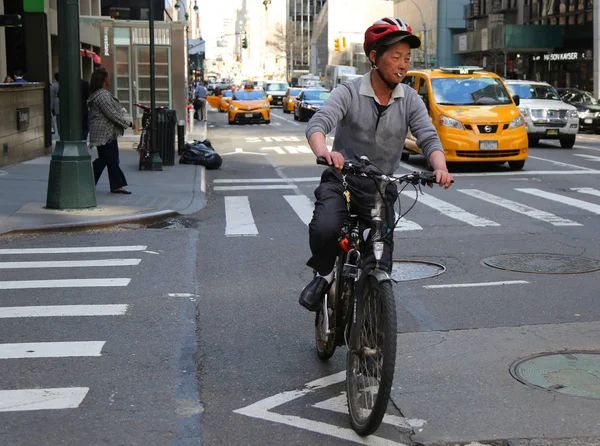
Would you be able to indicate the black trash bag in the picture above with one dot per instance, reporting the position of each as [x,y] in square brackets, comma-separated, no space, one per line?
[199,153]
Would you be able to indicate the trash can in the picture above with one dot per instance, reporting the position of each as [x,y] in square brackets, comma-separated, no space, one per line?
[165,135]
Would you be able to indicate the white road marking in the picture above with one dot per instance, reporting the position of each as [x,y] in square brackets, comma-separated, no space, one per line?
[406,166]
[70,263]
[339,404]
[471,285]
[62,283]
[406,225]
[593,208]
[275,149]
[520,208]
[257,187]
[51,349]
[289,121]
[239,150]
[297,149]
[62,310]
[238,215]
[560,163]
[587,190]
[302,206]
[81,249]
[590,157]
[451,211]
[41,399]
[266,180]
[261,410]
[181,295]
[272,139]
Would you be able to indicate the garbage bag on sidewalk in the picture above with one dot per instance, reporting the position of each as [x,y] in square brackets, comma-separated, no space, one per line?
[200,152]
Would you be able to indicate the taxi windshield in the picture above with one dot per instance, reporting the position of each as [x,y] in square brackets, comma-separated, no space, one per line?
[532,91]
[316,95]
[228,93]
[248,95]
[469,91]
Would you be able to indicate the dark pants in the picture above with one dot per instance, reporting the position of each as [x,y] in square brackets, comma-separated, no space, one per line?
[200,109]
[108,156]
[330,214]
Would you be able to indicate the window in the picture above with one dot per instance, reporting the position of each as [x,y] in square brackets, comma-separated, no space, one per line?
[162,70]
[410,81]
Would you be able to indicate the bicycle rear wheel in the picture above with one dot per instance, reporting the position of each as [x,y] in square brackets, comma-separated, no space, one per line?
[370,366]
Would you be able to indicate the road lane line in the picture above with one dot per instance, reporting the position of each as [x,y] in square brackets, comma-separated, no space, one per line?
[82,249]
[238,216]
[560,163]
[62,283]
[593,208]
[265,180]
[42,399]
[289,121]
[70,263]
[472,285]
[302,206]
[589,157]
[51,349]
[62,310]
[406,225]
[587,190]
[520,208]
[451,211]
[257,187]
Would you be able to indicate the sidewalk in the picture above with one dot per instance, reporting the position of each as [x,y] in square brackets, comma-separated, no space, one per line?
[176,190]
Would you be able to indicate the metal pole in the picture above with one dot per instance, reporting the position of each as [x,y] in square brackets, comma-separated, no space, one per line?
[156,161]
[309,44]
[426,57]
[302,33]
[596,49]
[70,179]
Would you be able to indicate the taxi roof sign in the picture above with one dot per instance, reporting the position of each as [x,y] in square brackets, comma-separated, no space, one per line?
[461,70]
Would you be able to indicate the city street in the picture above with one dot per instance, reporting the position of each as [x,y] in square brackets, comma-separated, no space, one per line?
[187,331]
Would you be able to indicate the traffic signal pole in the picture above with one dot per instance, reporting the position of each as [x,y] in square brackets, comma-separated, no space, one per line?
[71,178]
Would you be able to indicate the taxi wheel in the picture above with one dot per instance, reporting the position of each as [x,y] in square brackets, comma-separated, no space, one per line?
[516,165]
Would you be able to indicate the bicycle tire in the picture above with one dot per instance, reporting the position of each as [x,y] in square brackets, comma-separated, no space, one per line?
[378,300]
[325,348]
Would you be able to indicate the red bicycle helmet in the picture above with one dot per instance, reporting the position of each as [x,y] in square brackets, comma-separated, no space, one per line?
[387,31]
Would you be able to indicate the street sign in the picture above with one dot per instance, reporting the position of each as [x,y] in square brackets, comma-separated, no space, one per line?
[11,20]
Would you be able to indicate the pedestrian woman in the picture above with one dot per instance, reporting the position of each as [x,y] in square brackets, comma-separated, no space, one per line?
[106,122]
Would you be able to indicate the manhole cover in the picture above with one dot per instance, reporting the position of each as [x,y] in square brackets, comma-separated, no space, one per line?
[572,373]
[403,270]
[543,263]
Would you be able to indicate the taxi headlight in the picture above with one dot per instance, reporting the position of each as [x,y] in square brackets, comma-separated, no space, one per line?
[517,122]
[452,123]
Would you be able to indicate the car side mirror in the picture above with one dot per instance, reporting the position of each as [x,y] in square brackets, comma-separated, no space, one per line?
[517,99]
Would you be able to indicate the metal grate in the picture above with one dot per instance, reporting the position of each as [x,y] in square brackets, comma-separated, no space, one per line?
[486,153]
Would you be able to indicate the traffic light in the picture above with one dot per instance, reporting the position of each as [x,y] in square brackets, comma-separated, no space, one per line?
[344,42]
[336,44]
[244,43]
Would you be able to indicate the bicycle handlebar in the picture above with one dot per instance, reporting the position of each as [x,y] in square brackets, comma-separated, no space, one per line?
[361,165]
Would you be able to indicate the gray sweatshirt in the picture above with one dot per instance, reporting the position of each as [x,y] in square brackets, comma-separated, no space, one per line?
[362,130]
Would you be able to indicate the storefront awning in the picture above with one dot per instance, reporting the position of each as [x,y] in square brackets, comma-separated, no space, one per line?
[89,53]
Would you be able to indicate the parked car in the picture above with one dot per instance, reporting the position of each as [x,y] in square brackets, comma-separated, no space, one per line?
[308,102]
[276,91]
[249,106]
[476,118]
[290,98]
[546,115]
[587,107]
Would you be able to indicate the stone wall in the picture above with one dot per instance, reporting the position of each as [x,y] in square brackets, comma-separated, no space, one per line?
[25,144]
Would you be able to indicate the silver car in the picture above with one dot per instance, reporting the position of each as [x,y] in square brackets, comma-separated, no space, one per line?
[546,115]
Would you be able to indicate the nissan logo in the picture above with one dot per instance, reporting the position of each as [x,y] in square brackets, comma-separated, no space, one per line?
[488,129]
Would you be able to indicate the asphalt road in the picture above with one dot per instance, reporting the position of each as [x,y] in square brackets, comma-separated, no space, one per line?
[459,332]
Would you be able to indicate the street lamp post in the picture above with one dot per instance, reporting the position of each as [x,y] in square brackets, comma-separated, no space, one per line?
[187,27]
[426,56]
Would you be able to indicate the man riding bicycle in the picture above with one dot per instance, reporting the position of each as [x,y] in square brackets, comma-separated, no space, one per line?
[372,116]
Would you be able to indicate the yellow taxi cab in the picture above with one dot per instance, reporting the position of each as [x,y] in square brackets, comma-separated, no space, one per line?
[289,99]
[225,101]
[474,114]
[249,105]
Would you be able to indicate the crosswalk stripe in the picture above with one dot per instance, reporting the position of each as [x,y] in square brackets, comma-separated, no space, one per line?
[520,208]
[70,263]
[265,180]
[256,187]
[41,399]
[451,211]
[593,208]
[587,190]
[81,249]
[62,310]
[62,283]
[589,157]
[302,206]
[238,215]
[406,225]
[50,349]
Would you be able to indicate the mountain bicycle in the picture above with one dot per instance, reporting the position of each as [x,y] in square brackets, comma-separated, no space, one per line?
[359,310]
[144,147]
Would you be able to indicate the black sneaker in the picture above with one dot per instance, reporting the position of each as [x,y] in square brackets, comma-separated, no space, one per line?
[312,294]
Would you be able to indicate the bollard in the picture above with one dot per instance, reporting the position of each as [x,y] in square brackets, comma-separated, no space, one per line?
[180,136]
[191,119]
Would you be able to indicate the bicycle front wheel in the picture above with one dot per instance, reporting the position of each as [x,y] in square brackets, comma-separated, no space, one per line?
[370,366]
